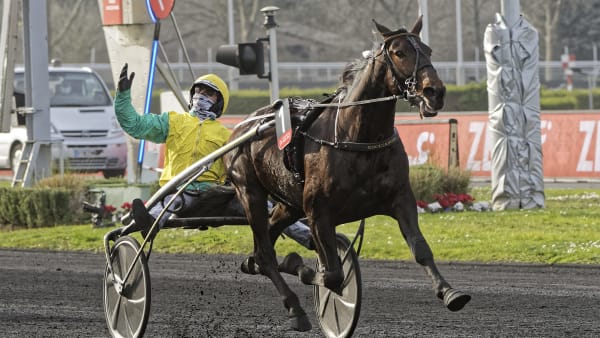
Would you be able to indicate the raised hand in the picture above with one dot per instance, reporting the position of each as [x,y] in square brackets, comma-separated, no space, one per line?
[124,82]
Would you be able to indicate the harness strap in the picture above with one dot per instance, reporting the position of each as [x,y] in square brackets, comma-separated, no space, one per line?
[356,146]
[355,103]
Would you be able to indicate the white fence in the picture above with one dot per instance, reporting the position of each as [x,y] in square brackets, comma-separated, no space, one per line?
[326,74]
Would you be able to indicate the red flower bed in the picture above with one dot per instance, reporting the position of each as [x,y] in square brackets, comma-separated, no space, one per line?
[448,200]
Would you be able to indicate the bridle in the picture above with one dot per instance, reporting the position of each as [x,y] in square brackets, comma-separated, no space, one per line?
[408,89]
[410,83]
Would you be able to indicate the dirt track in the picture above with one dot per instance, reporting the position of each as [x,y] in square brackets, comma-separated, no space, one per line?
[56,294]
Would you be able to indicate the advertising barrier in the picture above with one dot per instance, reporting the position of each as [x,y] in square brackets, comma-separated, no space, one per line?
[570,142]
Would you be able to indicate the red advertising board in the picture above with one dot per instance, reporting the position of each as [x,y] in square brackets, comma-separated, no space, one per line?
[570,142]
[112,12]
[425,141]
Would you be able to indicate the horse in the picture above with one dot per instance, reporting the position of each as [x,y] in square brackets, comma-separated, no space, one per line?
[350,165]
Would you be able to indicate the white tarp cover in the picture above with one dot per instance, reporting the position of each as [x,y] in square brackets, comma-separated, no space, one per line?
[514,122]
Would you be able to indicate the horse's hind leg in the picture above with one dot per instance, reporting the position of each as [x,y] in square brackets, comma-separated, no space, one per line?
[255,205]
[333,275]
[407,217]
[281,217]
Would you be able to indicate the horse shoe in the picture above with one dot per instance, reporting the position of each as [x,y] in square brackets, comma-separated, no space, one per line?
[455,300]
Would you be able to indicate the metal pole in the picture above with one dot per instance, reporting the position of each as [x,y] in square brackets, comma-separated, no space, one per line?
[270,25]
[460,73]
[37,92]
[590,93]
[233,83]
[423,10]
[511,11]
[180,38]
[8,50]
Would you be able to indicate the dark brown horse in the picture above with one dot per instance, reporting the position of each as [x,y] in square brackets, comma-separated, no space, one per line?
[352,166]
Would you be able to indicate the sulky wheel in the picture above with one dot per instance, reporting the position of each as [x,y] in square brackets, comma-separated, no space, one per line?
[338,314]
[126,303]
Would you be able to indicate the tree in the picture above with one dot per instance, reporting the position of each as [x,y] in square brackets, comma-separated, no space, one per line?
[545,14]
[333,30]
[74,30]
[582,34]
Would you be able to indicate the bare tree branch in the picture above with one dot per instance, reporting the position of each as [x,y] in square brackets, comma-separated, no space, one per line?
[68,24]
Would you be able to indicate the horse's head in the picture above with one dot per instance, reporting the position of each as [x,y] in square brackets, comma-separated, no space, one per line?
[411,73]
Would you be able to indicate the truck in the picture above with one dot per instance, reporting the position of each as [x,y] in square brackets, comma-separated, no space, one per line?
[85,134]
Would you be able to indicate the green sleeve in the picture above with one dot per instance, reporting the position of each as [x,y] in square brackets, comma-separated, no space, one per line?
[151,127]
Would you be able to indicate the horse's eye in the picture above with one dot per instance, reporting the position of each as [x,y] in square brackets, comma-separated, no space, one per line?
[400,54]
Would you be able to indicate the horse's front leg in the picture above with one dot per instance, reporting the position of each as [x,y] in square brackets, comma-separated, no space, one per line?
[407,217]
[264,259]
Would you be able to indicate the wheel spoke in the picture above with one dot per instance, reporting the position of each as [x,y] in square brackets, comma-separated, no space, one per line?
[347,275]
[324,297]
[335,316]
[140,300]
[345,303]
[126,317]
[115,313]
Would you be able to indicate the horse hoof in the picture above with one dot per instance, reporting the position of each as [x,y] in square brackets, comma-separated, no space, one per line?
[455,300]
[291,263]
[300,323]
[250,267]
[307,275]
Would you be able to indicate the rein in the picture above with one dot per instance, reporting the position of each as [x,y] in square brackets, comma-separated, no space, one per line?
[351,104]
[408,92]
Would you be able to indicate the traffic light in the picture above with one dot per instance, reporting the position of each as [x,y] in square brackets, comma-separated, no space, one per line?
[247,56]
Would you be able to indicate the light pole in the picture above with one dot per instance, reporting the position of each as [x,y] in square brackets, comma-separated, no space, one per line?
[233,79]
[270,25]
[590,76]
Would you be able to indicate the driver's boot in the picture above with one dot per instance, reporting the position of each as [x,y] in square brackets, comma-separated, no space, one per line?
[142,220]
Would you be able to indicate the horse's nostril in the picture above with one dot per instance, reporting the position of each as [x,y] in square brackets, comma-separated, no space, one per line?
[434,93]
[428,92]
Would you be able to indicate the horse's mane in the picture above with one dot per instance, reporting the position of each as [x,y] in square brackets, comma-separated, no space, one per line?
[349,74]
[350,71]
[354,67]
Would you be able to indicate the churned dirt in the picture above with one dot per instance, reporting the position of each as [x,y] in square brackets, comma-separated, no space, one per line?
[59,294]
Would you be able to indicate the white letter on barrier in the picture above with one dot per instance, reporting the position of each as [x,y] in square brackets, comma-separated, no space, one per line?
[476,128]
[588,128]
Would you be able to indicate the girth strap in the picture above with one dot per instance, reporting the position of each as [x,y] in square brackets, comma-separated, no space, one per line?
[356,146]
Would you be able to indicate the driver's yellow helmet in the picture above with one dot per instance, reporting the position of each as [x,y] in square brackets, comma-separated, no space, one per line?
[216,83]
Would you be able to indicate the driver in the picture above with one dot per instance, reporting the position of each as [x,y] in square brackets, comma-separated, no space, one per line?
[64,89]
[188,138]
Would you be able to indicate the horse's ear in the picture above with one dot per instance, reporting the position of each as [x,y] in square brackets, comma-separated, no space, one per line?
[418,25]
[381,28]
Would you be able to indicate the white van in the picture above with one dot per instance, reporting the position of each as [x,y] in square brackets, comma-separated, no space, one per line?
[82,115]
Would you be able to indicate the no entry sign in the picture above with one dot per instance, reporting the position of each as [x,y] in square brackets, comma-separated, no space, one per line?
[161,8]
